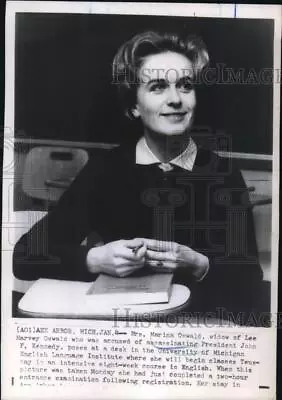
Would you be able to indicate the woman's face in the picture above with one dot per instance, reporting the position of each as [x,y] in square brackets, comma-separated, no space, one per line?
[166,98]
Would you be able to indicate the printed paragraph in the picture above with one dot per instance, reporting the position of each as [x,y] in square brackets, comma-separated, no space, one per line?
[67,355]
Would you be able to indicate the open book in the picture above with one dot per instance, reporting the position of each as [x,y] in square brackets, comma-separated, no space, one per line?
[152,288]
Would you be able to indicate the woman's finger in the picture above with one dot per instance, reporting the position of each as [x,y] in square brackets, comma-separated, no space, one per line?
[126,262]
[141,252]
[134,243]
[162,266]
[160,245]
[124,271]
[130,255]
[160,256]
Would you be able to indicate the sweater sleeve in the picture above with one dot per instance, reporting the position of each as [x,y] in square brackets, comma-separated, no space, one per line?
[52,248]
[234,277]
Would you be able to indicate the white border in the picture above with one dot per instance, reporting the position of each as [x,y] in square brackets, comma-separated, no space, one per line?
[209,10]
[164,9]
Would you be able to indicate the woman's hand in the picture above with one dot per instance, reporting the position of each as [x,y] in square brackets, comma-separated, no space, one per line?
[165,256]
[117,258]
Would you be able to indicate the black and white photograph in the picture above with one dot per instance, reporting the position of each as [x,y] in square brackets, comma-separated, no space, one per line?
[143,190]
[147,149]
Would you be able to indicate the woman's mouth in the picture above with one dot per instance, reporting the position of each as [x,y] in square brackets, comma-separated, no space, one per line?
[175,116]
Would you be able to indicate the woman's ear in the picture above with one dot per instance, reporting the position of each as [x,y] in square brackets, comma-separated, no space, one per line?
[135,112]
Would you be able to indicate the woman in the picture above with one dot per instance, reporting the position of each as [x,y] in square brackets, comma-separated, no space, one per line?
[164,203]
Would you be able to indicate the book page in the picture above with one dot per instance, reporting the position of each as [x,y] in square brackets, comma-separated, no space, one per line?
[136,136]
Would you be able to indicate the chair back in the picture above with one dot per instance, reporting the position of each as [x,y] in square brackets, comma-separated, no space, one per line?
[48,171]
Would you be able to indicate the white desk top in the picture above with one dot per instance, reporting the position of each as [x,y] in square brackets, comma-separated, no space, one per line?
[50,298]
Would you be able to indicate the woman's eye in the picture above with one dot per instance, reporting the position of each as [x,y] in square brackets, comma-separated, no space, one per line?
[187,86]
[158,87]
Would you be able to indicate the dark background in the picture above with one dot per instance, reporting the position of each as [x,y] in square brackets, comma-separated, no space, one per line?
[2,57]
[63,77]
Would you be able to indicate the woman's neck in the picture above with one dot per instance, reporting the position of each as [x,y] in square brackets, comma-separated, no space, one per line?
[166,148]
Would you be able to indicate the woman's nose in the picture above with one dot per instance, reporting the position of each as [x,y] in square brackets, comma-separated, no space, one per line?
[174,97]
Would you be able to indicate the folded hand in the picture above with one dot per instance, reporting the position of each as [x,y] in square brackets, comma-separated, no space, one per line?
[164,256]
[117,258]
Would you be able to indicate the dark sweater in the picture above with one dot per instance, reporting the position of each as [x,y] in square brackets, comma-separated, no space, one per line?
[207,209]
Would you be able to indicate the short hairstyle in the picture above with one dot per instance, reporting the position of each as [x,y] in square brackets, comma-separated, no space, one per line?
[130,56]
